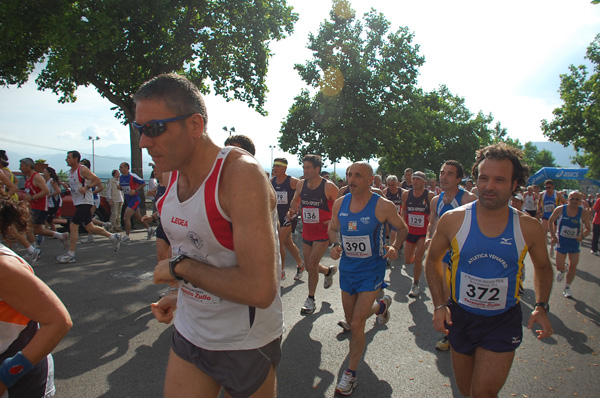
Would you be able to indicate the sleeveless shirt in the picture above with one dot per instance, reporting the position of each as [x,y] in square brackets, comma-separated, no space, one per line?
[417,213]
[316,210]
[486,274]
[199,229]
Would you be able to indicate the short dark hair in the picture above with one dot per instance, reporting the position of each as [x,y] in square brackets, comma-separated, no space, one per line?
[86,163]
[460,171]
[114,172]
[179,94]
[75,155]
[242,141]
[126,164]
[3,158]
[502,151]
[315,160]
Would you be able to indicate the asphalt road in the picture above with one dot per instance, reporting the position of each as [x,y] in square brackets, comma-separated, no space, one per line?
[117,349]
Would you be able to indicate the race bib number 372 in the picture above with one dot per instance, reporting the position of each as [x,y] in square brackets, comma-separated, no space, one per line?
[481,293]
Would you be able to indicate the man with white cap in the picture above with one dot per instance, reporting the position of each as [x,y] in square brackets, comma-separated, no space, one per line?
[416,210]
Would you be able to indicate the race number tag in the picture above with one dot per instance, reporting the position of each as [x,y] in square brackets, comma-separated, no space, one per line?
[310,215]
[357,246]
[282,198]
[483,294]
[567,232]
[549,207]
[416,220]
[126,189]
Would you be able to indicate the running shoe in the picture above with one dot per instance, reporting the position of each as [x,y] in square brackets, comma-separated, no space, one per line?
[150,232]
[328,281]
[39,239]
[384,317]
[414,291]
[65,240]
[108,226]
[567,292]
[299,272]
[344,325]
[116,241]
[125,239]
[65,258]
[560,275]
[346,385]
[90,239]
[308,307]
[33,257]
[282,275]
[443,344]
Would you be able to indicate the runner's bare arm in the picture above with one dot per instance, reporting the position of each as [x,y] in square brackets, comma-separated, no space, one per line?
[334,230]
[533,231]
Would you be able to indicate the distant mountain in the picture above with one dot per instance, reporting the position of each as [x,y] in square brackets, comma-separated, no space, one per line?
[562,155]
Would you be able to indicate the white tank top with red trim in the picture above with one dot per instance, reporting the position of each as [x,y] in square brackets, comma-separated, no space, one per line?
[199,229]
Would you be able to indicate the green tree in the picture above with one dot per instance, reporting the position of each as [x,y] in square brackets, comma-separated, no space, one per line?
[577,121]
[117,45]
[362,101]
[360,74]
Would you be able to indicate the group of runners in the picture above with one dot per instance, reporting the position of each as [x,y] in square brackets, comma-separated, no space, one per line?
[226,307]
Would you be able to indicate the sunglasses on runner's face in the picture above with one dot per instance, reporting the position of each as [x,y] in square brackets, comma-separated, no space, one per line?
[155,128]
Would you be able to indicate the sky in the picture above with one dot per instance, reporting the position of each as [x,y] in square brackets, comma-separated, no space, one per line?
[504,58]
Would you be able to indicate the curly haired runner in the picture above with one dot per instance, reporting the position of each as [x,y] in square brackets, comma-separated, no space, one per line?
[488,240]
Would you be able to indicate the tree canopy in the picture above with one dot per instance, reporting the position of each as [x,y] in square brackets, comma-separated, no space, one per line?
[362,100]
[117,45]
[577,121]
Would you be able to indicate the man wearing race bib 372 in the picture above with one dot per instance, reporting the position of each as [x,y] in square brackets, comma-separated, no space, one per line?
[489,240]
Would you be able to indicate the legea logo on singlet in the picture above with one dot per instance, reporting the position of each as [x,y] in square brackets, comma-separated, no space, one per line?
[179,221]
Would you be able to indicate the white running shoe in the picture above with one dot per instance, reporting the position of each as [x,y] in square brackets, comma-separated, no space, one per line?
[560,275]
[384,317]
[33,257]
[346,385]
[125,239]
[328,281]
[65,258]
[108,226]
[414,291]
[65,240]
[567,292]
[299,272]
[150,233]
[308,307]
[116,241]
[89,239]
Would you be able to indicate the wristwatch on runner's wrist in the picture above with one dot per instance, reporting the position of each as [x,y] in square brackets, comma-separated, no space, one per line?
[172,263]
[545,306]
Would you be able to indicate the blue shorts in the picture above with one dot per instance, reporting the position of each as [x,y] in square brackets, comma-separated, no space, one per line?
[497,333]
[566,246]
[132,201]
[357,283]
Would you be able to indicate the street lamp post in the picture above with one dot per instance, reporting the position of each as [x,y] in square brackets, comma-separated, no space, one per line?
[93,153]
[231,130]
[271,165]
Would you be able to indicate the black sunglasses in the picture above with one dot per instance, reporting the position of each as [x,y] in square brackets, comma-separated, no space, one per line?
[155,128]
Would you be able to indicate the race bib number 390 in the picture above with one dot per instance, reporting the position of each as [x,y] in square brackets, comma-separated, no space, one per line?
[481,293]
[310,215]
[357,246]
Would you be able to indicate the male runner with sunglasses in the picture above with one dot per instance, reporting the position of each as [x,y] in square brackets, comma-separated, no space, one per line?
[229,320]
